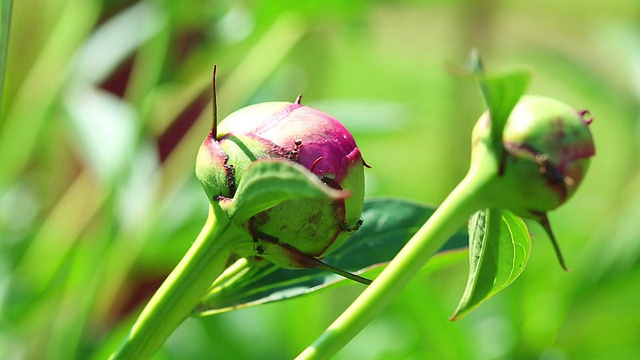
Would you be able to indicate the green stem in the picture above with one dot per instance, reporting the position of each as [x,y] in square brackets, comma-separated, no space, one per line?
[465,199]
[182,290]
[5,26]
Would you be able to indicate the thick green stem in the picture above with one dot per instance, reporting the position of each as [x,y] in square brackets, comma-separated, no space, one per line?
[182,290]
[465,199]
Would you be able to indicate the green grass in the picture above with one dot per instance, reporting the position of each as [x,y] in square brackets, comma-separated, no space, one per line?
[104,108]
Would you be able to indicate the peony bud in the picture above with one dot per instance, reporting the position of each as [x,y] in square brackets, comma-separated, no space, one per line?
[544,155]
[547,146]
[294,231]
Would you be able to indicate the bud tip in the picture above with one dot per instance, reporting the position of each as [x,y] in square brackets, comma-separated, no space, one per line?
[586,116]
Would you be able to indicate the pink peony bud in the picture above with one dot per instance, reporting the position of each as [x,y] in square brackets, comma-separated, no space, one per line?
[317,141]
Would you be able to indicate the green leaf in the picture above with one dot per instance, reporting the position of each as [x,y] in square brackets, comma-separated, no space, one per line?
[388,225]
[267,183]
[501,92]
[499,248]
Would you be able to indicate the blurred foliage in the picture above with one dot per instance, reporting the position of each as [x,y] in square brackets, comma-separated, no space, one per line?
[105,105]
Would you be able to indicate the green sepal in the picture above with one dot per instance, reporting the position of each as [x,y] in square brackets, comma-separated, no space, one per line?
[267,183]
[501,92]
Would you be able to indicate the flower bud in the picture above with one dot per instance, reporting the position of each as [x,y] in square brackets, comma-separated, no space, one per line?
[547,146]
[300,227]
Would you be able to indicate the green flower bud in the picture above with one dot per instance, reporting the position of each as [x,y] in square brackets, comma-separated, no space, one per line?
[547,148]
[544,155]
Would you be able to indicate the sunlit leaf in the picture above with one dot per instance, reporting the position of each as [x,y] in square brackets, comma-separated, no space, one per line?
[499,248]
[105,129]
[114,41]
[388,225]
[267,183]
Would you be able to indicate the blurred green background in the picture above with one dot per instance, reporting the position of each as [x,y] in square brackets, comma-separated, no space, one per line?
[106,102]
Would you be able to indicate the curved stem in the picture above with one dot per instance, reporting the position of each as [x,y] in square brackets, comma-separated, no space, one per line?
[182,290]
[465,199]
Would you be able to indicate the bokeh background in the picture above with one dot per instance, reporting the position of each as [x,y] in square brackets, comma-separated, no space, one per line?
[106,102]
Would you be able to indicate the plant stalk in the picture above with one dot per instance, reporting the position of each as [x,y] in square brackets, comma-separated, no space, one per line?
[463,201]
[5,26]
[182,290]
